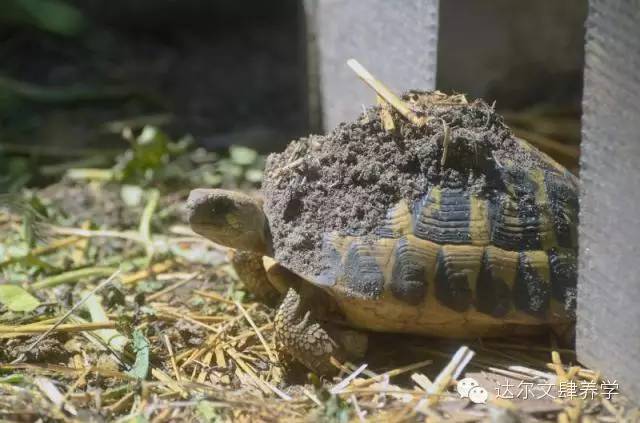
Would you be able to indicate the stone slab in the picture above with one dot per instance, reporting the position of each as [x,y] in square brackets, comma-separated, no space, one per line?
[608,330]
[395,40]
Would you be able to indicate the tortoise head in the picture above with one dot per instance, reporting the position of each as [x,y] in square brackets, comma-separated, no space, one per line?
[229,218]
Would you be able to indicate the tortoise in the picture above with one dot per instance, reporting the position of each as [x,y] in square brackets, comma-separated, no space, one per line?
[454,262]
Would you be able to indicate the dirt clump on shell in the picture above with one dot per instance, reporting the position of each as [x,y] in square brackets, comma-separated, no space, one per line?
[347,180]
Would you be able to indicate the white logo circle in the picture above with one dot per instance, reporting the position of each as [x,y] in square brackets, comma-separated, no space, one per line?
[478,395]
[465,385]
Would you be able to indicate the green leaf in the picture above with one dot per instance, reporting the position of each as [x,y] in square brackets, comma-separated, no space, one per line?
[111,337]
[151,148]
[131,195]
[207,412]
[254,175]
[17,298]
[148,286]
[230,169]
[138,418]
[12,379]
[336,409]
[149,153]
[242,156]
[140,367]
[211,179]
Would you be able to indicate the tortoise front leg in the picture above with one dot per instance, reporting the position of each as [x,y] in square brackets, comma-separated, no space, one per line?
[250,269]
[300,336]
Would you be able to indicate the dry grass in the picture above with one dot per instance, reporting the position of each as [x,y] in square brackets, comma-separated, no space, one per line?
[210,352]
[126,315]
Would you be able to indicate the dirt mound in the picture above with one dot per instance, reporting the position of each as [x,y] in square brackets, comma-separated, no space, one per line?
[347,180]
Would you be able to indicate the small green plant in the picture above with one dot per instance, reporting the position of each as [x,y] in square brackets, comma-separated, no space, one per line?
[154,159]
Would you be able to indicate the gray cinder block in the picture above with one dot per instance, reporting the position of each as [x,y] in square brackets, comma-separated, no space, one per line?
[608,331]
[395,40]
[514,52]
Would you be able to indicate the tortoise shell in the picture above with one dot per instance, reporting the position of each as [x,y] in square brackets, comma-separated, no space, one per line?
[458,262]
[454,253]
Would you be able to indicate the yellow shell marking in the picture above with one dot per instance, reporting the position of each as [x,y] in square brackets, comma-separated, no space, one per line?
[401,220]
[479,225]
[545,220]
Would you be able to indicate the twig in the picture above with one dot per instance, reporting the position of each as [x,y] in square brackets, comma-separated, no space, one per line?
[91,173]
[214,296]
[170,288]
[67,314]
[513,374]
[385,115]
[74,276]
[347,380]
[445,142]
[142,274]
[119,405]
[422,381]
[386,94]
[79,381]
[206,366]
[43,250]
[176,315]
[264,386]
[270,353]
[359,413]
[395,372]
[130,235]
[172,357]
[67,371]
[166,379]
[532,372]
[70,327]
[450,372]
[311,396]
[53,394]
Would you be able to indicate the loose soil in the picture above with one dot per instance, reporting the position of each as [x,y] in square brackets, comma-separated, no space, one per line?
[347,180]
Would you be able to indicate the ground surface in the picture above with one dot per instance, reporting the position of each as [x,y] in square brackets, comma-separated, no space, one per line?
[117,311]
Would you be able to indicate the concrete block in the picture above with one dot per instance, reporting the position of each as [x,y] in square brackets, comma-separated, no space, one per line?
[394,40]
[514,52]
[608,331]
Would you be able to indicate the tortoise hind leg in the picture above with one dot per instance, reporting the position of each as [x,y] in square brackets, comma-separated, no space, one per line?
[250,270]
[300,336]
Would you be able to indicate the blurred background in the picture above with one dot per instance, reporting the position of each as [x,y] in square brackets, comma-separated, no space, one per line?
[75,74]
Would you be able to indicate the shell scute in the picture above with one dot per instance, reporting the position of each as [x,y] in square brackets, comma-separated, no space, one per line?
[409,271]
[443,216]
[456,274]
[532,290]
[360,273]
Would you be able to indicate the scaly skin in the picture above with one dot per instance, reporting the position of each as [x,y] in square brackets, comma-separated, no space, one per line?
[250,270]
[300,336]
